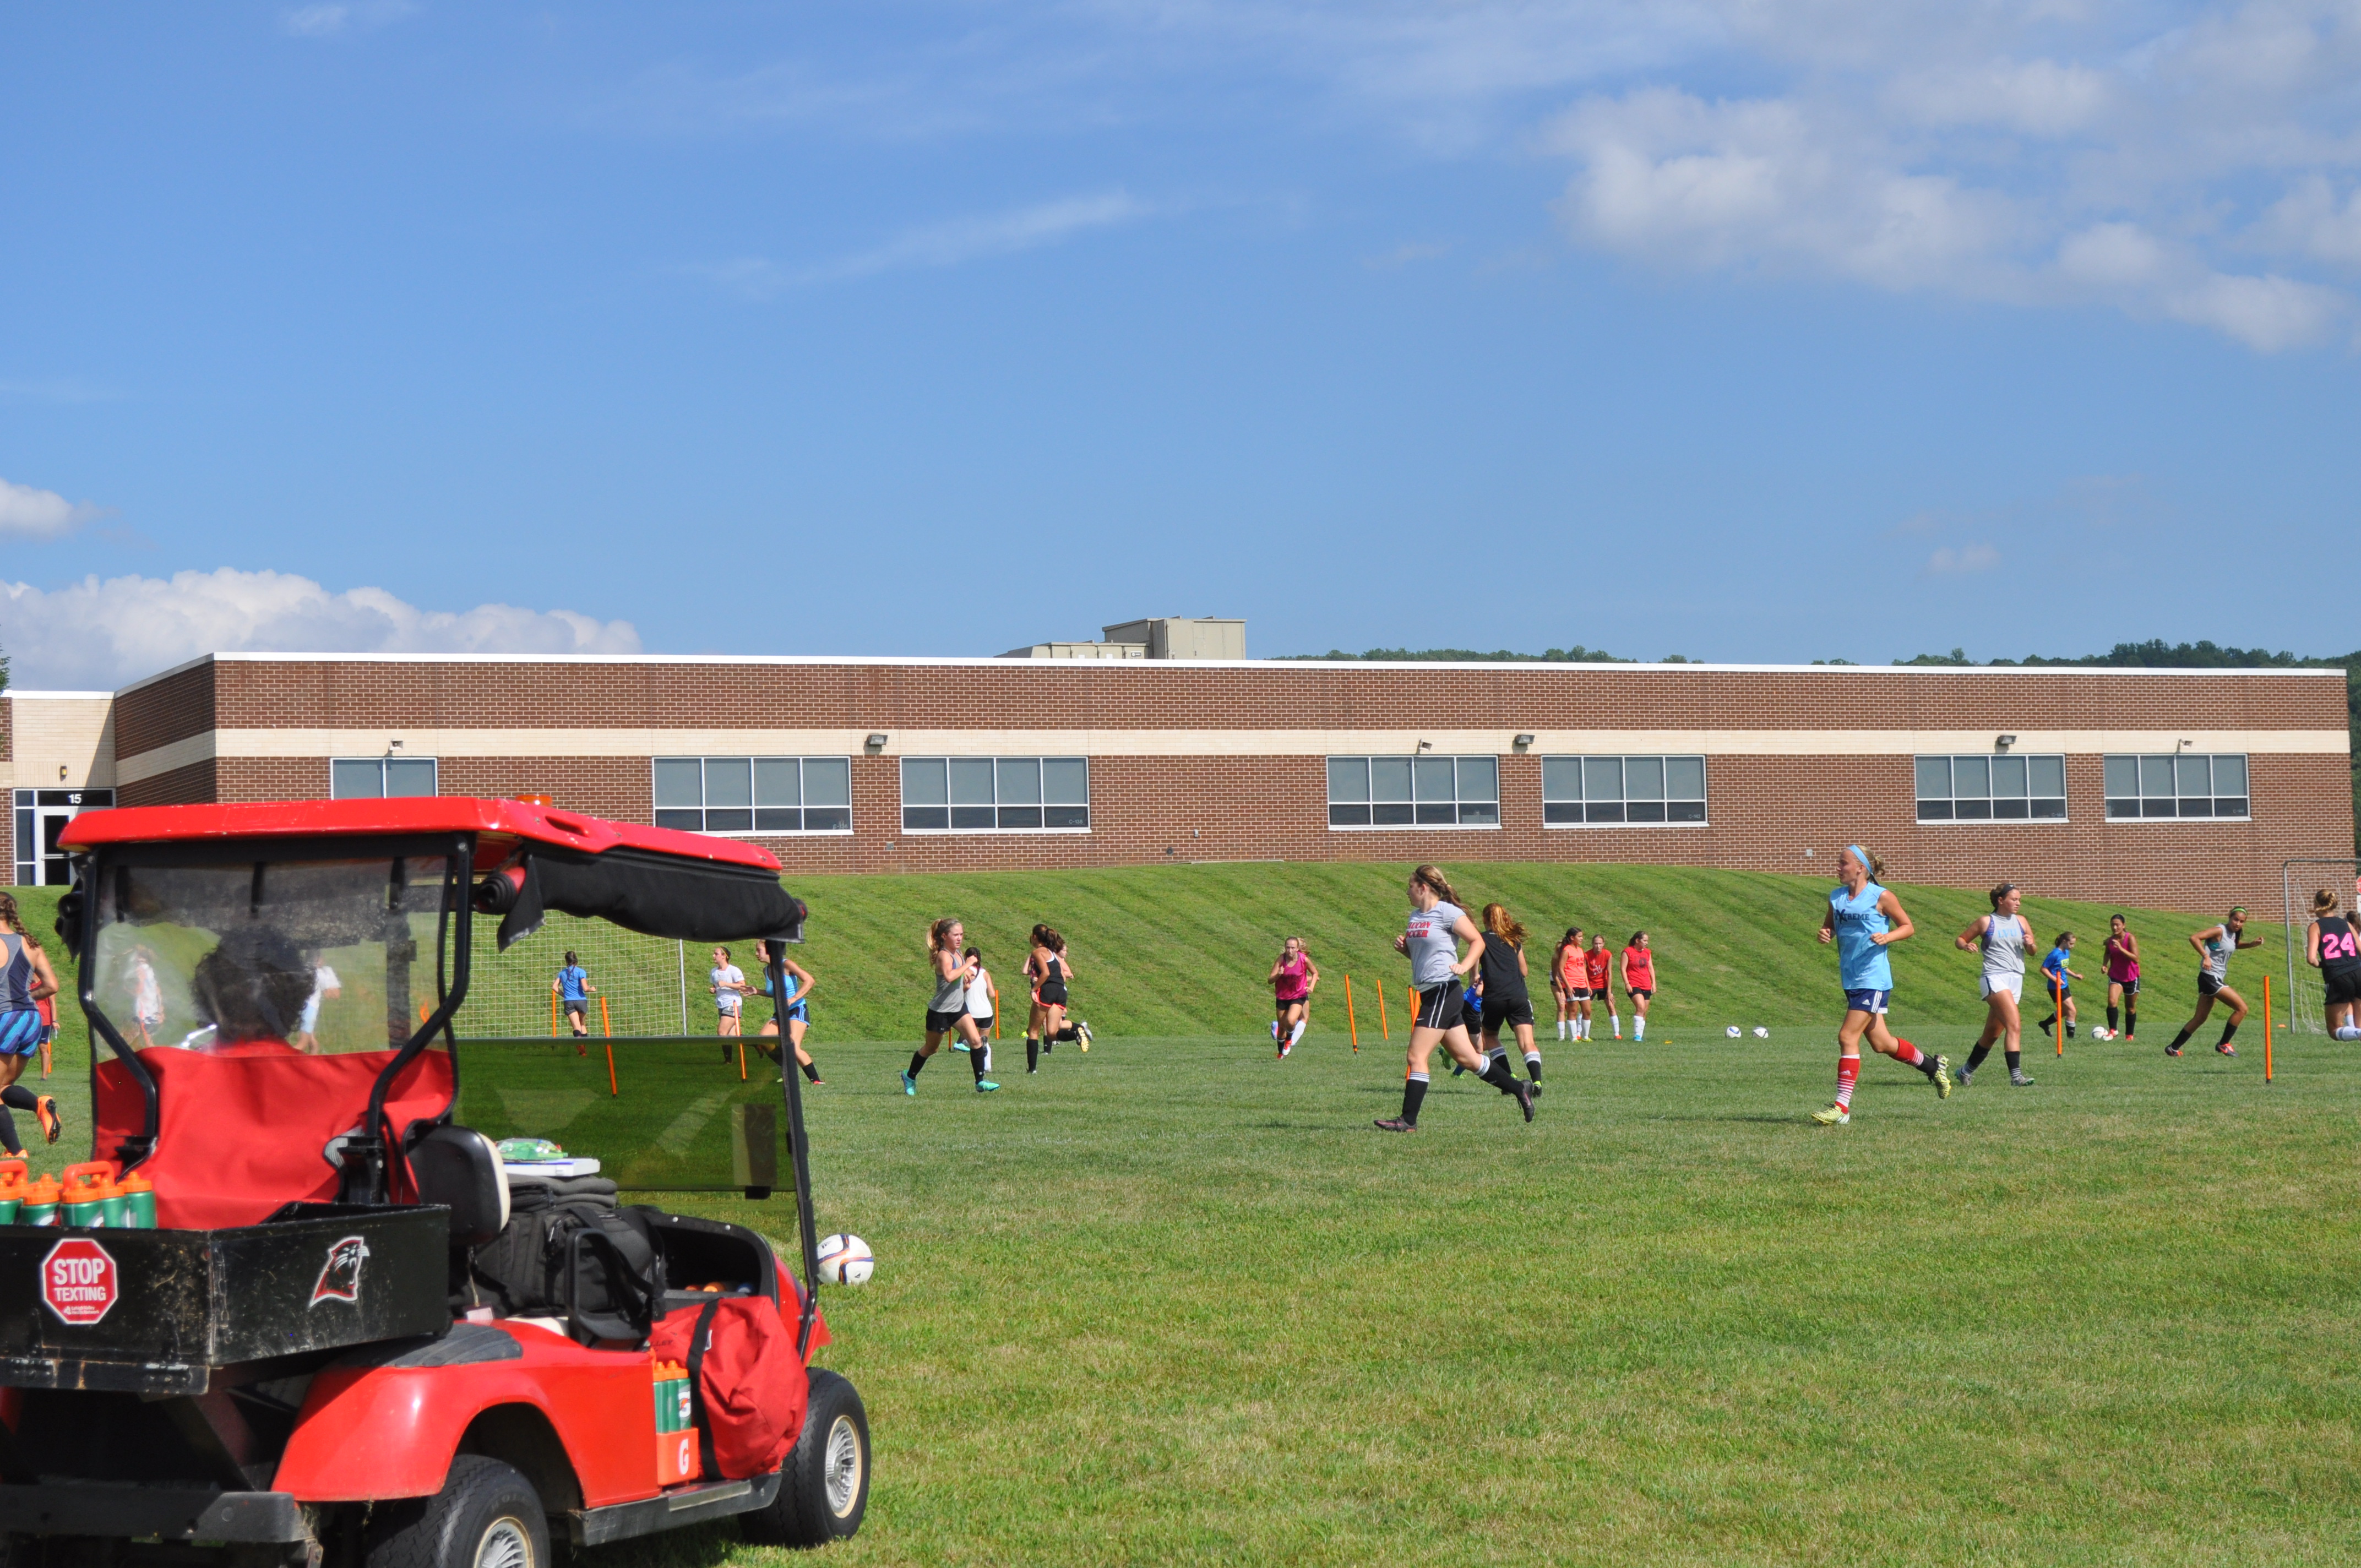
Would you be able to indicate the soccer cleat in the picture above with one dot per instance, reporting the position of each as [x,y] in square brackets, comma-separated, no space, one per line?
[1942,1078]
[1082,1027]
[1525,1093]
[2023,1079]
[1284,1049]
[44,1110]
[2225,1048]
[959,1045]
[1396,1124]
[985,1086]
[1961,1082]
[2173,1050]
[910,1084]
[1834,1116]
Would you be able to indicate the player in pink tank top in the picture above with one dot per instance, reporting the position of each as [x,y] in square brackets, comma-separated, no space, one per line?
[1293,978]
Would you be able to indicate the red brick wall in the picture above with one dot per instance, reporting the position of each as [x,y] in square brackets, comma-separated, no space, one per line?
[1765,810]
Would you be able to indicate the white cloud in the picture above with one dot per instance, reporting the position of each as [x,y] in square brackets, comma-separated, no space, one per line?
[329,17]
[103,632]
[28,513]
[1946,561]
[940,244]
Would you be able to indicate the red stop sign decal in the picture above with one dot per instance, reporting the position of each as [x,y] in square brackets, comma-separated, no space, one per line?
[79,1281]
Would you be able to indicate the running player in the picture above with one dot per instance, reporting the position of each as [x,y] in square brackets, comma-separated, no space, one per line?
[1293,978]
[947,1014]
[1599,968]
[2123,976]
[2214,945]
[1639,982]
[146,996]
[797,1010]
[1438,925]
[572,984]
[2004,936]
[46,1007]
[1507,1001]
[1863,920]
[1569,984]
[1049,966]
[982,1005]
[2330,946]
[2061,981]
[24,978]
[726,981]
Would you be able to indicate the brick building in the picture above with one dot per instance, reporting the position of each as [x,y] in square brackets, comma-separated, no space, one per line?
[2174,787]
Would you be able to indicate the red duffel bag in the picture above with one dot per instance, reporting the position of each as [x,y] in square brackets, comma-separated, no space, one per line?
[747,1381]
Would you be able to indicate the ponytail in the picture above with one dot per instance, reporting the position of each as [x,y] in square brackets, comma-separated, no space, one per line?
[1433,877]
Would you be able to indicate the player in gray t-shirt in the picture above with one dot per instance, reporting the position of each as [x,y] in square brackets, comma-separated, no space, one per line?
[1430,941]
[2001,936]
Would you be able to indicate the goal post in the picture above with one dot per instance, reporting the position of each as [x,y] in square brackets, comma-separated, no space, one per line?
[2298,879]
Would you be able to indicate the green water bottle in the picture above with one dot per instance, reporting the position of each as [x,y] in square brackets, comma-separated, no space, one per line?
[138,1195]
[41,1203]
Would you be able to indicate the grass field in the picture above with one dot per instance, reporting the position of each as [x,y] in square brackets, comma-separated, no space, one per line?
[1174,1301]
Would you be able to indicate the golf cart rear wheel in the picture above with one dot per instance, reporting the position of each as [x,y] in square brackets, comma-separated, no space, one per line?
[486,1516]
[824,1485]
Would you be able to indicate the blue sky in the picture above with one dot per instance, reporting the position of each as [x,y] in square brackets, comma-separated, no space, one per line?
[1743,329]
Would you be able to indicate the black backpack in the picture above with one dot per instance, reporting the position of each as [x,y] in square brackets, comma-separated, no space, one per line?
[569,1252]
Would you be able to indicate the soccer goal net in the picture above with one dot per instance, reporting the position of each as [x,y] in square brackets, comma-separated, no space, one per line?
[638,986]
[2298,880]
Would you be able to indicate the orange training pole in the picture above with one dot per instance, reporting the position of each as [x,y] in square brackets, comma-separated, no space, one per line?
[2267,1028]
[995,1010]
[612,1088]
[552,1012]
[1352,1023]
[1383,1032]
[2058,995]
[605,1021]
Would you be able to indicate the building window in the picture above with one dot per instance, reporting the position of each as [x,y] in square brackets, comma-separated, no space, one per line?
[754,794]
[379,778]
[2177,784]
[1413,792]
[1585,791]
[995,795]
[1990,788]
[41,815]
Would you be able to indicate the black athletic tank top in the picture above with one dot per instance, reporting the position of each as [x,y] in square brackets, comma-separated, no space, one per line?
[1053,973]
[2340,952]
[1502,983]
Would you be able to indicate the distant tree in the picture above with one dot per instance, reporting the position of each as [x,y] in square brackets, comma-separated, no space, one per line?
[1956,656]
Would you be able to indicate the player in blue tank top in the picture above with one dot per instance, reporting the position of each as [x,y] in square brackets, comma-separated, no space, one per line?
[24,978]
[1863,920]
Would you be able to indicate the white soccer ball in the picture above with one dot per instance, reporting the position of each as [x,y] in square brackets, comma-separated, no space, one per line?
[2102,1033]
[1761,1033]
[846,1260]
[1732,1031]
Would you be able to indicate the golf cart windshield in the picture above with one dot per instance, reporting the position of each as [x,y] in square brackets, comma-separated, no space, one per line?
[306,956]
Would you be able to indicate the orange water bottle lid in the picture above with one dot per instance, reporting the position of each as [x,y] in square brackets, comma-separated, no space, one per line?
[44,1190]
[135,1183]
[94,1177]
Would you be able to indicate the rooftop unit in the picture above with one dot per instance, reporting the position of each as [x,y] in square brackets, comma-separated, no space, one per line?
[1172,637]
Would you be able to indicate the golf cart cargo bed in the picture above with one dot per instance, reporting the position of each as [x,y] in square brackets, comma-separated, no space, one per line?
[169,1308]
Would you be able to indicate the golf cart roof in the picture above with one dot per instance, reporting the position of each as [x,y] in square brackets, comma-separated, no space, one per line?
[499,825]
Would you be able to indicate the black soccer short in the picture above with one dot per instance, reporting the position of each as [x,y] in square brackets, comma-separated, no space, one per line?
[1577,994]
[1641,994]
[1287,1002]
[1444,1007]
[2207,985]
[944,1023]
[1053,994]
[1499,1017]
[2341,985]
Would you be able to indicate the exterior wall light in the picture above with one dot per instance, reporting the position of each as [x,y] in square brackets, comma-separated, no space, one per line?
[877,742]
[2003,742]
[1522,741]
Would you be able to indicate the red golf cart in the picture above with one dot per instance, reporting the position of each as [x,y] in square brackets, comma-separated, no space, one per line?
[354,1333]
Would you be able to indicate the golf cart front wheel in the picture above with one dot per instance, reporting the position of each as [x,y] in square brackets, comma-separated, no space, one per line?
[486,1516]
[824,1485]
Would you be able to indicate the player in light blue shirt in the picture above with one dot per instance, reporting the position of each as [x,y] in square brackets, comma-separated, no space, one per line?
[2062,980]
[574,992]
[1863,920]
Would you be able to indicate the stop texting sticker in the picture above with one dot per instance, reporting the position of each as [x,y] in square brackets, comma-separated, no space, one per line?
[79,1281]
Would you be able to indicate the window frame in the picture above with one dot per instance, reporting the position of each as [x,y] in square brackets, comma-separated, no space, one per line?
[2172,763]
[1990,762]
[1001,772]
[1416,800]
[753,806]
[381,764]
[1623,800]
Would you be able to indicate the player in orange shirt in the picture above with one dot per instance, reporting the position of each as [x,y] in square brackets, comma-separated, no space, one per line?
[1638,982]
[1601,964]
[1570,984]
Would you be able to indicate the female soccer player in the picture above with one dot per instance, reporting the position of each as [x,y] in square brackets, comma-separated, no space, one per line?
[1638,982]
[800,985]
[1507,1001]
[574,992]
[947,1014]
[2214,945]
[726,981]
[1863,920]
[2004,936]
[24,978]
[2061,981]
[1597,966]
[1570,984]
[2123,976]
[1293,978]
[2330,946]
[1431,942]
[1050,967]
[982,1005]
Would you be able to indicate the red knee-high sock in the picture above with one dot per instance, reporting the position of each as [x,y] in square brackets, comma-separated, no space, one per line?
[1848,1069]
[1908,1054]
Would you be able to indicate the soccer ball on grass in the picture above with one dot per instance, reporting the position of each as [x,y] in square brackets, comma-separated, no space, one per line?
[845,1260]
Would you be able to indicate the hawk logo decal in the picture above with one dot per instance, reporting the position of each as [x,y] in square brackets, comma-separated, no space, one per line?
[340,1276]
